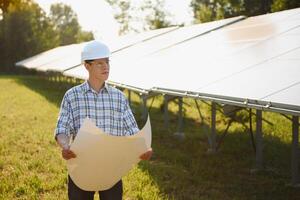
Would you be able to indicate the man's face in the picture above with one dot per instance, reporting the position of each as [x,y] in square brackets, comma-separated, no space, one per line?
[98,69]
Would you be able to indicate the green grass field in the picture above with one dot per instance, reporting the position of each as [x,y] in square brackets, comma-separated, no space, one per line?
[31,166]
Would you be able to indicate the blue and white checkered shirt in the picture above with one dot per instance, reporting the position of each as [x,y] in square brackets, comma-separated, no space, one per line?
[109,109]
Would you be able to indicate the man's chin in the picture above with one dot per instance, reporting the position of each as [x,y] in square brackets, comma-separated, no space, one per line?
[104,77]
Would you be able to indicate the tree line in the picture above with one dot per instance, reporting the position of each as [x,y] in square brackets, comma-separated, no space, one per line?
[203,11]
[26,30]
[211,10]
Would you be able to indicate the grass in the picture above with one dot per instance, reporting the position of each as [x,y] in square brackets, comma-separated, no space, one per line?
[31,166]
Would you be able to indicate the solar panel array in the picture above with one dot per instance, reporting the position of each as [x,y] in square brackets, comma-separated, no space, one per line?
[124,57]
[243,62]
[254,60]
[56,59]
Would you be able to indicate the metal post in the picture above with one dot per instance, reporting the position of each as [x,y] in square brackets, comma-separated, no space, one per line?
[295,152]
[180,118]
[129,97]
[179,132]
[166,112]
[259,142]
[144,107]
[199,111]
[213,135]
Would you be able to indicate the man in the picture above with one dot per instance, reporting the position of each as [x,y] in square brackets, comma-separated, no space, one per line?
[105,105]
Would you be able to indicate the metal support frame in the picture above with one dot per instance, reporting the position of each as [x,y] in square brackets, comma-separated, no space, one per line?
[259,142]
[202,121]
[166,111]
[78,81]
[213,134]
[231,114]
[59,78]
[151,104]
[180,117]
[129,97]
[295,152]
[144,107]
[251,130]
[199,111]
[220,141]
[144,97]
[180,132]
[241,102]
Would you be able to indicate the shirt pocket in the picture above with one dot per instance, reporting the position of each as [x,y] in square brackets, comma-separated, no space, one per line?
[116,122]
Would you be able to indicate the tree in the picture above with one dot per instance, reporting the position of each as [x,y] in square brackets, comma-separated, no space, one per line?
[83,36]
[279,5]
[210,10]
[156,15]
[136,16]
[25,31]
[66,24]
[257,7]
[122,9]
[4,4]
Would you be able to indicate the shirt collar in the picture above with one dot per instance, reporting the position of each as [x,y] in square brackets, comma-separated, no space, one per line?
[86,87]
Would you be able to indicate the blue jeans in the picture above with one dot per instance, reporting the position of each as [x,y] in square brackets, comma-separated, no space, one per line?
[75,193]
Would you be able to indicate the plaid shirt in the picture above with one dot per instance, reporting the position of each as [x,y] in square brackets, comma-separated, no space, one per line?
[109,109]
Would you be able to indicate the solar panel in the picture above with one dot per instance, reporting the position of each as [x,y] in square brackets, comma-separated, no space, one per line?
[292,55]
[168,40]
[61,58]
[259,81]
[244,62]
[194,64]
[288,96]
[77,72]
[81,73]
[279,70]
[121,60]
[128,40]
[206,59]
[70,59]
[47,57]
[39,59]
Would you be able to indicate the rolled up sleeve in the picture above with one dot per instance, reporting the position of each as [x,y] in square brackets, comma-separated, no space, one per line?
[129,120]
[65,123]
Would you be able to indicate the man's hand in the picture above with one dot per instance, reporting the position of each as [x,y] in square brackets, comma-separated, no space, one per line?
[63,141]
[147,155]
[67,154]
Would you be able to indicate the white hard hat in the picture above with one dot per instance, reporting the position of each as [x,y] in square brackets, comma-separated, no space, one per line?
[94,50]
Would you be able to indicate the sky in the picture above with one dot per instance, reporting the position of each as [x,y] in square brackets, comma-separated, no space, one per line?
[97,15]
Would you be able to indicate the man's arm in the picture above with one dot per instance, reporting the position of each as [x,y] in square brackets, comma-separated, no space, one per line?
[129,121]
[64,127]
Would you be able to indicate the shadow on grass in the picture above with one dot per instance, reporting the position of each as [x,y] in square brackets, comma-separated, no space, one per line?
[184,170]
[52,90]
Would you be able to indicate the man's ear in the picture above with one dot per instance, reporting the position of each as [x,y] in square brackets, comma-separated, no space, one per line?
[86,65]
